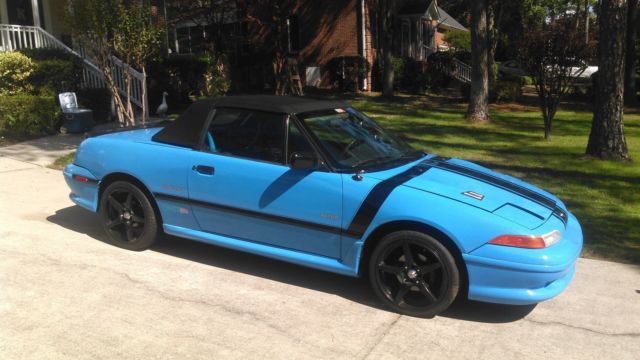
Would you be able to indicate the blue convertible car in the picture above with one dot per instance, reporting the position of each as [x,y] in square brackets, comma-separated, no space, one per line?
[319,184]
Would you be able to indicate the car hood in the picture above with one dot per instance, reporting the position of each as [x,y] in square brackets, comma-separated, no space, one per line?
[481,187]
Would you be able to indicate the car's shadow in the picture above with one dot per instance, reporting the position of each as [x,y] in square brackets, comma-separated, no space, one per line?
[79,220]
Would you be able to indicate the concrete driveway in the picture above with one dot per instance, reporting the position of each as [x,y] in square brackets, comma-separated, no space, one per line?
[64,293]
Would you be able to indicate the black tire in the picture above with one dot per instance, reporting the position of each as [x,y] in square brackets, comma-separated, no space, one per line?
[423,283]
[128,216]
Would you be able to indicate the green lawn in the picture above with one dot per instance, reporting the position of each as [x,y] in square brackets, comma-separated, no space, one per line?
[605,196]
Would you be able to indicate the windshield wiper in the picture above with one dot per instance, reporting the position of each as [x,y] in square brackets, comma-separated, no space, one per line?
[368,162]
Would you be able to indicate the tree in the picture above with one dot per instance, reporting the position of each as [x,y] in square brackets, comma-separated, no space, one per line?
[136,39]
[606,140]
[271,30]
[555,54]
[630,96]
[387,10]
[479,96]
[104,28]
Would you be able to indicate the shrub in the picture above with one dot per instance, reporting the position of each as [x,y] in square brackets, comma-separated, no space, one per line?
[215,79]
[46,54]
[437,78]
[398,64]
[413,78]
[28,114]
[526,80]
[56,76]
[15,69]
[458,39]
[179,75]
[347,72]
[506,90]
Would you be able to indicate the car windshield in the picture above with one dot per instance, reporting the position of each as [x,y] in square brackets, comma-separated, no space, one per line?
[354,141]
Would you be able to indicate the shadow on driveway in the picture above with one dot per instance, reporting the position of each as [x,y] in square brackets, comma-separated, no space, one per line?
[76,219]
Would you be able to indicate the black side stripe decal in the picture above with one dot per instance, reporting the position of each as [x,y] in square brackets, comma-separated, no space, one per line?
[371,204]
[251,213]
[504,184]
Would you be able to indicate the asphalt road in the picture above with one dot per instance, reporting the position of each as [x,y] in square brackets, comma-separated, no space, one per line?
[64,293]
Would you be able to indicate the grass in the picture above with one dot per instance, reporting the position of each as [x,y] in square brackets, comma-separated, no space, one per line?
[62,161]
[604,195]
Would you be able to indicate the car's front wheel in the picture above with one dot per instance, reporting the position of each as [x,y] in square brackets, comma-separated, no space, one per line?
[414,274]
[128,216]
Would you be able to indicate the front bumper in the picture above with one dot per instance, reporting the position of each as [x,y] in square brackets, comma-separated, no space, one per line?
[83,193]
[515,276]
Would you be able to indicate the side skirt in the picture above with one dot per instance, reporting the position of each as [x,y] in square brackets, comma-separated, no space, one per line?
[295,257]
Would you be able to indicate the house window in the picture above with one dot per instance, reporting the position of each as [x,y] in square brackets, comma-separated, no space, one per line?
[20,12]
[293,34]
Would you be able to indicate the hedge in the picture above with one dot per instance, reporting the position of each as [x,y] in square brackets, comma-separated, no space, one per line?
[28,114]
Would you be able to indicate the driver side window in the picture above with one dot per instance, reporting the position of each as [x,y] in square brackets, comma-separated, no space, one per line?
[248,134]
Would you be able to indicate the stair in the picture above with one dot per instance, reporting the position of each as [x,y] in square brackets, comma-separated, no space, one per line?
[16,37]
[457,70]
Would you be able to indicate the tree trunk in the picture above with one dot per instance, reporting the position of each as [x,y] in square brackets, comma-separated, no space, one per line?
[630,97]
[586,22]
[493,24]
[388,74]
[606,140]
[547,128]
[479,96]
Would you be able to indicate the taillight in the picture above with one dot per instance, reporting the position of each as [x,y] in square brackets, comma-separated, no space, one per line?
[81,179]
[528,241]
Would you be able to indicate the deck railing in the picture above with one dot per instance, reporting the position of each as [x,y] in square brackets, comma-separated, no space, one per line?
[17,37]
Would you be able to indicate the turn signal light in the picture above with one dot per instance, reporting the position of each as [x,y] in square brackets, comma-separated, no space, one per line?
[528,241]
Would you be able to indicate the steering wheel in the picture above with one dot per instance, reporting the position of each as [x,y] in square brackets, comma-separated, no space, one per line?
[352,144]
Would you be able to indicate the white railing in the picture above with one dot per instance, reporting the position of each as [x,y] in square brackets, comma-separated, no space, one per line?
[460,71]
[16,37]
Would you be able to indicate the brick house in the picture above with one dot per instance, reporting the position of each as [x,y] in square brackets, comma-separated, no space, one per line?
[319,31]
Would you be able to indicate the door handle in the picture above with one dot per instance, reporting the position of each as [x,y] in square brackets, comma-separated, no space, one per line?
[203,169]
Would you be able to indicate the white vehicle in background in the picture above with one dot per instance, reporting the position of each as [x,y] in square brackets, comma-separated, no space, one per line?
[513,67]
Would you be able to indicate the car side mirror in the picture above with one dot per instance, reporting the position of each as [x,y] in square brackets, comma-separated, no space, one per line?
[303,161]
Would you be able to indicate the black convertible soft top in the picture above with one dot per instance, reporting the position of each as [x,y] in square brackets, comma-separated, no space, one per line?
[278,104]
[187,129]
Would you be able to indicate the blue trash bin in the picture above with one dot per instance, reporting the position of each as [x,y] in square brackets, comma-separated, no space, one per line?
[76,119]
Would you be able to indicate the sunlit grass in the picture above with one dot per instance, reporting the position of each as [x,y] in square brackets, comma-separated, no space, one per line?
[62,161]
[605,196]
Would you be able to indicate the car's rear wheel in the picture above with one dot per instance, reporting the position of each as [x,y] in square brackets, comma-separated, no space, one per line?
[128,216]
[414,274]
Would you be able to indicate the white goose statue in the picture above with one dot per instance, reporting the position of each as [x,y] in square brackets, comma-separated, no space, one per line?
[162,109]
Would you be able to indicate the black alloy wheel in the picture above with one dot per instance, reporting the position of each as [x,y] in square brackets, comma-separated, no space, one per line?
[414,274]
[128,216]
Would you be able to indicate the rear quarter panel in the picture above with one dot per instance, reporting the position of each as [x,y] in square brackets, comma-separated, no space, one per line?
[159,167]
